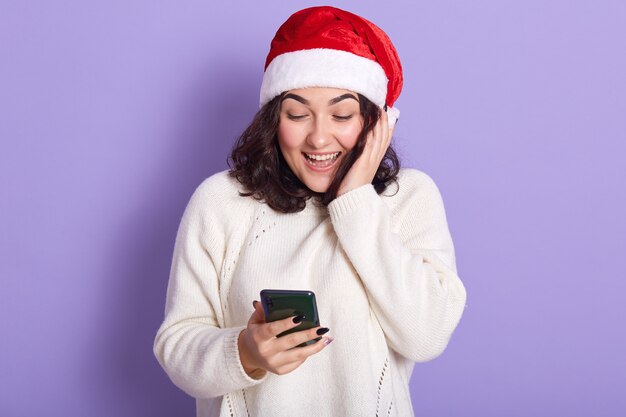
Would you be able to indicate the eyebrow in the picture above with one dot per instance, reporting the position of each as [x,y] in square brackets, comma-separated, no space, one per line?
[330,102]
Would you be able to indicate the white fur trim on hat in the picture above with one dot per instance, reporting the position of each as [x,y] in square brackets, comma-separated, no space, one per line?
[324,68]
[393,114]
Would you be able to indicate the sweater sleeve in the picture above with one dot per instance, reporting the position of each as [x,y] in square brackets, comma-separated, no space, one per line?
[199,356]
[410,277]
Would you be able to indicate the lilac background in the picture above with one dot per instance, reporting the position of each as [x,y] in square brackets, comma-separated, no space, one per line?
[111,113]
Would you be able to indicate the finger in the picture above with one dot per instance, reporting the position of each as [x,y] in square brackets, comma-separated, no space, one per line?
[274,328]
[385,121]
[377,137]
[385,137]
[258,316]
[300,354]
[386,128]
[371,139]
[288,367]
[292,340]
[258,307]
[388,131]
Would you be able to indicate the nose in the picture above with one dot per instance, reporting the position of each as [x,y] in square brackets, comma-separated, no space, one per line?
[320,134]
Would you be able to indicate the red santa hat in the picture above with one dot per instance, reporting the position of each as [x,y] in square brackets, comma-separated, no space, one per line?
[328,47]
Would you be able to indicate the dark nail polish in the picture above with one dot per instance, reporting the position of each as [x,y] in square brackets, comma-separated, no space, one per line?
[254,303]
[322,330]
[298,319]
[385,107]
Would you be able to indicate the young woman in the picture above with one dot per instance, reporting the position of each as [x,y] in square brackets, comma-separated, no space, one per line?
[315,200]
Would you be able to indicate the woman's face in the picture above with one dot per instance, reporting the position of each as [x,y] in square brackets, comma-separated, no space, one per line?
[318,126]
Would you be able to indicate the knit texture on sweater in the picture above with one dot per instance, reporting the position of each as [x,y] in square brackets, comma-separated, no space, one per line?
[384,273]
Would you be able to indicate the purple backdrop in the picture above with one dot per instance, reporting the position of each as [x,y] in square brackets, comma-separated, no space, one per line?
[111,113]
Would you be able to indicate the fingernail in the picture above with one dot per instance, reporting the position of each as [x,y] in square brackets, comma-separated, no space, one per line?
[322,330]
[254,303]
[385,107]
[328,341]
[298,319]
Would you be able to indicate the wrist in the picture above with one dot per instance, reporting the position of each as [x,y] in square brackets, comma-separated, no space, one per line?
[247,364]
[347,188]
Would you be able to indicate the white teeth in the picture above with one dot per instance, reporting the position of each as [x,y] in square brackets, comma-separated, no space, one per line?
[323,157]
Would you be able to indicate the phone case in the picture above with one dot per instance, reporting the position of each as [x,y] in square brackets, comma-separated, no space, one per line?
[280,304]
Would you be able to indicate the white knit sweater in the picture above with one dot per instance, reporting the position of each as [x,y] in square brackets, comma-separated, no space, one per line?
[384,273]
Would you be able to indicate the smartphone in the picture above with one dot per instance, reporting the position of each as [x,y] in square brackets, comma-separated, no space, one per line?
[280,304]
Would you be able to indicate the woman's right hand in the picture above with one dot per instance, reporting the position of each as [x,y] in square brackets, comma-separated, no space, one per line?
[261,351]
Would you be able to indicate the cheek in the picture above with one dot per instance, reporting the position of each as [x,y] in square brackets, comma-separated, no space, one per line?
[348,135]
[288,136]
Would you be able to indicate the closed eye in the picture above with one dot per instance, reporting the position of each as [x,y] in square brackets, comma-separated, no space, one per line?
[296,116]
[343,118]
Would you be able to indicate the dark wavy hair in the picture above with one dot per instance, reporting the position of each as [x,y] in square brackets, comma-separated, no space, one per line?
[257,162]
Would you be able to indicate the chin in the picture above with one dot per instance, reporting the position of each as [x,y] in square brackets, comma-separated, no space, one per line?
[320,190]
[317,187]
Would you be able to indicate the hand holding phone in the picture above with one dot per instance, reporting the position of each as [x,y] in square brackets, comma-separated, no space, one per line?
[260,350]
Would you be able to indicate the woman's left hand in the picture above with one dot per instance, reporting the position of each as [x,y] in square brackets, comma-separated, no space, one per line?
[364,168]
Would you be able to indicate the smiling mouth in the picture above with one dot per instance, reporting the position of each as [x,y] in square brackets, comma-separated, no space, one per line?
[321,161]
